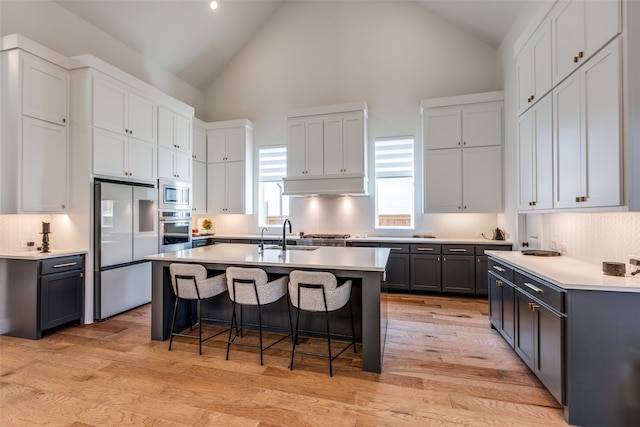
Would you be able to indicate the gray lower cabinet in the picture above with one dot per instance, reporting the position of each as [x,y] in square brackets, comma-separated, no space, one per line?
[398,266]
[458,274]
[42,294]
[529,314]
[426,273]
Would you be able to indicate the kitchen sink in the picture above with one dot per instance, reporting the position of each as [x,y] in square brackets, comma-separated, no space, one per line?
[293,248]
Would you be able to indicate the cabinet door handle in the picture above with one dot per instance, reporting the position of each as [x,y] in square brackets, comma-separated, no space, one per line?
[444,258]
[535,289]
[67,264]
[499,283]
[575,59]
[64,120]
[533,306]
[425,249]
[457,250]
[500,269]
[580,54]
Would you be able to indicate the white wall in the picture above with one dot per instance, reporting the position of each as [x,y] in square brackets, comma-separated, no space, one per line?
[51,25]
[591,237]
[389,54]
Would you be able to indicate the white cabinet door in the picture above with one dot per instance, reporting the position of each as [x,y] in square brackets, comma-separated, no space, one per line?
[235,188]
[482,125]
[110,153]
[296,148]
[109,105]
[333,152]
[216,188]
[602,135]
[141,160]
[44,166]
[442,128]
[199,152]
[235,145]
[482,179]
[199,187]
[166,128]
[182,165]
[579,29]
[533,68]
[354,144]
[183,133]
[44,90]
[524,77]
[443,180]
[314,146]
[142,118]
[587,134]
[526,162]
[166,162]
[535,143]
[216,146]
[567,136]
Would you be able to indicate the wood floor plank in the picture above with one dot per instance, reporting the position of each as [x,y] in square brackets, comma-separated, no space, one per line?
[443,366]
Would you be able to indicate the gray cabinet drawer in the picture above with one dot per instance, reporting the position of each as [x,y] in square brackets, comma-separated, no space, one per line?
[61,264]
[500,269]
[401,248]
[543,291]
[481,248]
[426,248]
[458,250]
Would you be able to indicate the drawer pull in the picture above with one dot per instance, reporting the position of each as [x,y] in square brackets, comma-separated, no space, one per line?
[500,269]
[458,250]
[396,249]
[425,249]
[499,283]
[535,289]
[67,264]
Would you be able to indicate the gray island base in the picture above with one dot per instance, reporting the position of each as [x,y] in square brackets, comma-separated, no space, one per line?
[365,266]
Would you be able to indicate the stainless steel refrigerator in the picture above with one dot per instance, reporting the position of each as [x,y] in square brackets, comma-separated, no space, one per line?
[125,231]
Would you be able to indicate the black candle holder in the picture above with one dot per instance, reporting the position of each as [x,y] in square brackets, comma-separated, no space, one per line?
[45,237]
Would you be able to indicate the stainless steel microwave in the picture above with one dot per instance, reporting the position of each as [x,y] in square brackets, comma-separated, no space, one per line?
[174,195]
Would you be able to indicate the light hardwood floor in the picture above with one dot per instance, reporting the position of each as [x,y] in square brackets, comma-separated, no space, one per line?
[443,366]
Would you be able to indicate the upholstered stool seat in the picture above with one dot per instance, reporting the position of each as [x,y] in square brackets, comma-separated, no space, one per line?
[190,282]
[317,291]
[251,287]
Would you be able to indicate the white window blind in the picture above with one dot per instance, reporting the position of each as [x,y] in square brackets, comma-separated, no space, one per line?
[394,157]
[272,164]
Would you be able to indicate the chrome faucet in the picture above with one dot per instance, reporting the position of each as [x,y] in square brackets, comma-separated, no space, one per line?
[261,245]
[284,233]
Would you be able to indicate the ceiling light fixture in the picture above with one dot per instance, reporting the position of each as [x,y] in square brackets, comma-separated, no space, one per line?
[214,5]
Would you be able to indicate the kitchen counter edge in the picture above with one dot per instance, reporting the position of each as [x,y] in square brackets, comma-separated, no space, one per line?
[568,273]
[34,255]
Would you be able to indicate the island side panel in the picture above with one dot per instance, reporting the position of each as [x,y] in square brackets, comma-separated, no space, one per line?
[603,358]
[374,322]
[20,297]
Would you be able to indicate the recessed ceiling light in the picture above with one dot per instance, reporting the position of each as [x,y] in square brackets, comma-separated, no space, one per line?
[214,5]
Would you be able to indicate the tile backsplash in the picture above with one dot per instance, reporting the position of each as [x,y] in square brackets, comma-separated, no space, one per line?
[17,228]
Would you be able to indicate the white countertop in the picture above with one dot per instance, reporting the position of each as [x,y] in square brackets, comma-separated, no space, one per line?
[330,258]
[569,273]
[35,255]
[436,240]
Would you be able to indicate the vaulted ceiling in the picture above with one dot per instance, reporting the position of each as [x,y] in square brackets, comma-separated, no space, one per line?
[195,43]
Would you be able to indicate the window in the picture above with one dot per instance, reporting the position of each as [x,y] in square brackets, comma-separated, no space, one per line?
[394,182]
[272,168]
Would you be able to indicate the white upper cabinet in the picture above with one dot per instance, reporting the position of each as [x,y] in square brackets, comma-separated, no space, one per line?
[174,145]
[45,90]
[199,151]
[463,153]
[119,156]
[587,134]
[327,150]
[118,108]
[34,143]
[199,168]
[473,125]
[44,166]
[579,29]
[535,154]
[229,175]
[533,68]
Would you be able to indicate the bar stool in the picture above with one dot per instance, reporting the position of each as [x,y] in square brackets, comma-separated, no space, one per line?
[318,291]
[190,282]
[251,287]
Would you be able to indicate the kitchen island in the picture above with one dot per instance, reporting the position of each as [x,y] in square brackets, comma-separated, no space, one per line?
[365,266]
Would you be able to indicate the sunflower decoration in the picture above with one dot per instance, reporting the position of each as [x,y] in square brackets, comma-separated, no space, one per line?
[207,224]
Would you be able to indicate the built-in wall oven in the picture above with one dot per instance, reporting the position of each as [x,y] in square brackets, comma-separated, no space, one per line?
[174,195]
[175,230]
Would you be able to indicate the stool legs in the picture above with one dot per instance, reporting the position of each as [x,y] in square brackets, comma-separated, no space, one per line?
[173,322]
